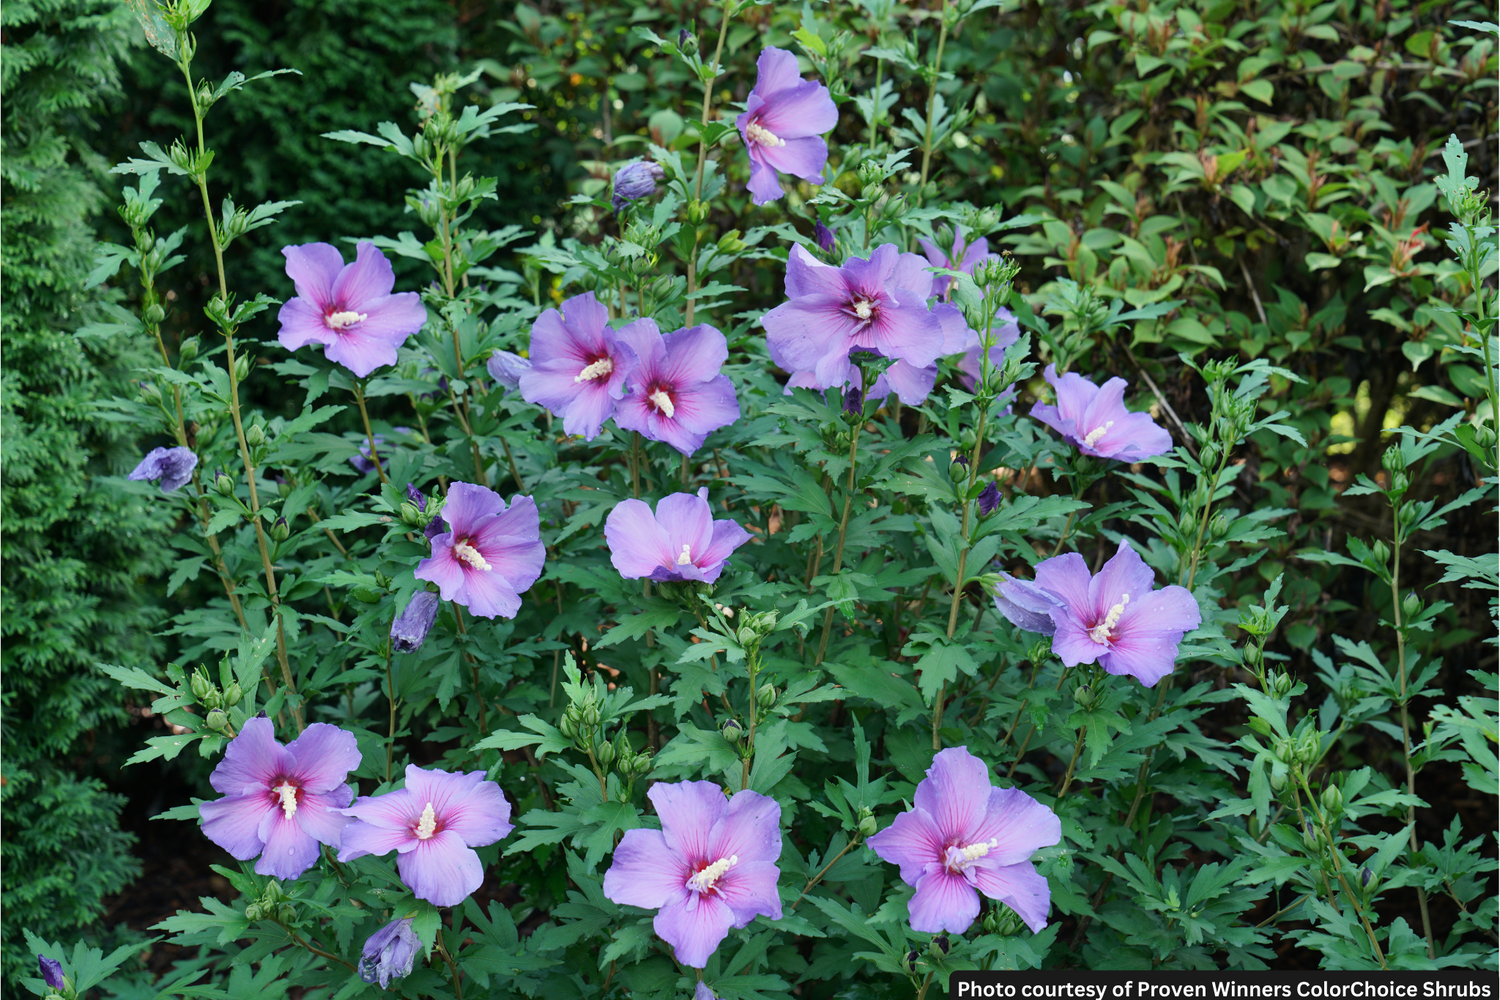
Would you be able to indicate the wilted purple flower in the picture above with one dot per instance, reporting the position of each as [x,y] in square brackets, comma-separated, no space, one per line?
[963,837]
[579,367]
[489,556]
[281,802]
[824,237]
[1114,618]
[433,824]
[878,305]
[362,462]
[348,308]
[989,499]
[1094,419]
[783,124]
[52,973]
[507,369]
[702,992]
[854,401]
[633,181]
[409,629]
[963,258]
[681,541]
[389,952]
[710,867]
[173,466]
[677,394]
[415,496]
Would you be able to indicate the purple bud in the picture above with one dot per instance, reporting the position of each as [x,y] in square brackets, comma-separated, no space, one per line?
[415,496]
[52,973]
[173,466]
[824,236]
[411,626]
[989,499]
[682,36]
[854,401]
[635,180]
[434,528]
[389,952]
[1364,878]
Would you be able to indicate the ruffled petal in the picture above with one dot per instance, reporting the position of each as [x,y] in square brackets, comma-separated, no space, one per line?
[1106,406]
[688,811]
[954,794]
[699,411]
[695,927]
[393,318]
[749,889]
[1019,825]
[325,755]
[911,384]
[804,157]
[464,803]
[645,872]
[1026,605]
[1074,394]
[801,333]
[806,275]
[1124,573]
[1019,887]
[359,353]
[751,830]
[586,414]
[321,815]
[358,839]
[910,274]
[487,594]
[1133,437]
[1148,658]
[302,323]
[313,268]
[290,850]
[443,568]
[727,536]
[764,185]
[694,355]
[803,110]
[252,760]
[233,822]
[441,869]
[1067,577]
[689,524]
[1072,643]
[943,902]
[913,842]
[637,542]
[647,344]
[362,284]
[776,69]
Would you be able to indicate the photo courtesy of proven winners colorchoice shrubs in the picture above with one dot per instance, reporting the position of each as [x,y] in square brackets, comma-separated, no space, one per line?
[961,485]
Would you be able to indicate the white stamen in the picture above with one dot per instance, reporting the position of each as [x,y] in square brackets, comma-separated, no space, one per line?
[960,858]
[599,369]
[663,402]
[470,555]
[864,309]
[427,825]
[1101,633]
[756,132]
[704,880]
[685,556]
[339,320]
[288,793]
[1097,433]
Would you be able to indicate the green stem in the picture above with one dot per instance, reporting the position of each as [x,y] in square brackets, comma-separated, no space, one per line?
[359,397]
[838,552]
[937,69]
[708,97]
[1411,773]
[823,871]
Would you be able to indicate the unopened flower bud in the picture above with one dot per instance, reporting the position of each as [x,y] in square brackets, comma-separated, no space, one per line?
[286,913]
[1393,459]
[52,973]
[1309,836]
[1219,527]
[233,694]
[415,496]
[1411,605]
[606,754]
[641,766]
[697,212]
[1381,552]
[941,945]
[216,720]
[1279,772]
[409,629]
[746,635]
[242,367]
[912,958]
[410,515]
[150,393]
[253,912]
[189,350]
[766,697]
[222,483]
[280,530]
[959,470]
[989,500]
[867,824]
[283,488]
[1084,696]
[153,314]
[1009,923]
[1364,877]
[255,434]
[591,714]
[200,685]
[732,730]
[1333,799]
[824,237]
[687,42]
[730,242]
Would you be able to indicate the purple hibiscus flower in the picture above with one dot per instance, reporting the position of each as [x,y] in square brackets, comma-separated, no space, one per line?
[963,837]
[388,953]
[579,366]
[677,394]
[348,308]
[634,181]
[681,541]
[965,258]
[710,867]
[52,971]
[433,824]
[878,305]
[1115,618]
[783,125]
[281,802]
[1094,419]
[173,466]
[489,555]
[409,629]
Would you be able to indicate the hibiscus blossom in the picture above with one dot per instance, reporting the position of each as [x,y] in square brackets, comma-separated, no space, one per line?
[1093,418]
[490,555]
[677,394]
[783,124]
[579,366]
[348,308]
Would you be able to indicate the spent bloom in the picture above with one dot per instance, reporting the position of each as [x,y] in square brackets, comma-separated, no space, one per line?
[634,181]
[824,236]
[433,824]
[989,499]
[409,629]
[52,972]
[579,366]
[878,305]
[783,125]
[507,369]
[389,952]
[348,308]
[681,541]
[677,393]
[173,466]
[963,837]
[1094,419]
[281,802]
[710,867]
[964,257]
[1114,618]
[489,555]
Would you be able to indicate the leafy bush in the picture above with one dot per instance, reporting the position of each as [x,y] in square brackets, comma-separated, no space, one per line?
[1186,639]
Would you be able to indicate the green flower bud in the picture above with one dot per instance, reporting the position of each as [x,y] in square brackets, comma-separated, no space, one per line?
[746,635]
[941,946]
[1333,799]
[223,484]
[697,212]
[1381,552]
[283,488]
[217,720]
[867,824]
[255,434]
[958,471]
[1411,606]
[568,728]
[189,350]
[642,765]
[242,367]
[286,913]
[1219,527]
[605,754]
[280,530]
[232,694]
[766,697]
[410,515]
[1208,455]
[732,730]
[1009,923]
[200,685]
[1085,696]
[912,957]
[1309,836]
[253,912]
[1393,459]
[591,714]
[1279,773]
[730,242]
[153,314]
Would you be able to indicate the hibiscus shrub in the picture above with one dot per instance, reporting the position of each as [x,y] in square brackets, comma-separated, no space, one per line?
[674,607]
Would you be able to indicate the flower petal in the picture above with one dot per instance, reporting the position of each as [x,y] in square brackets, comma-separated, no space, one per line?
[645,872]
[689,524]
[806,275]
[441,869]
[464,803]
[468,505]
[776,69]
[695,927]
[233,822]
[1067,577]
[943,902]
[321,815]
[1019,824]
[688,811]
[393,318]
[325,755]
[804,109]
[694,355]
[764,185]
[910,383]
[362,284]
[699,411]
[751,830]
[443,568]
[749,889]
[313,268]
[954,794]
[913,842]
[361,355]
[302,323]
[290,850]
[252,760]
[1020,888]
[637,543]
[487,594]
[1124,573]
[802,157]
[1072,643]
